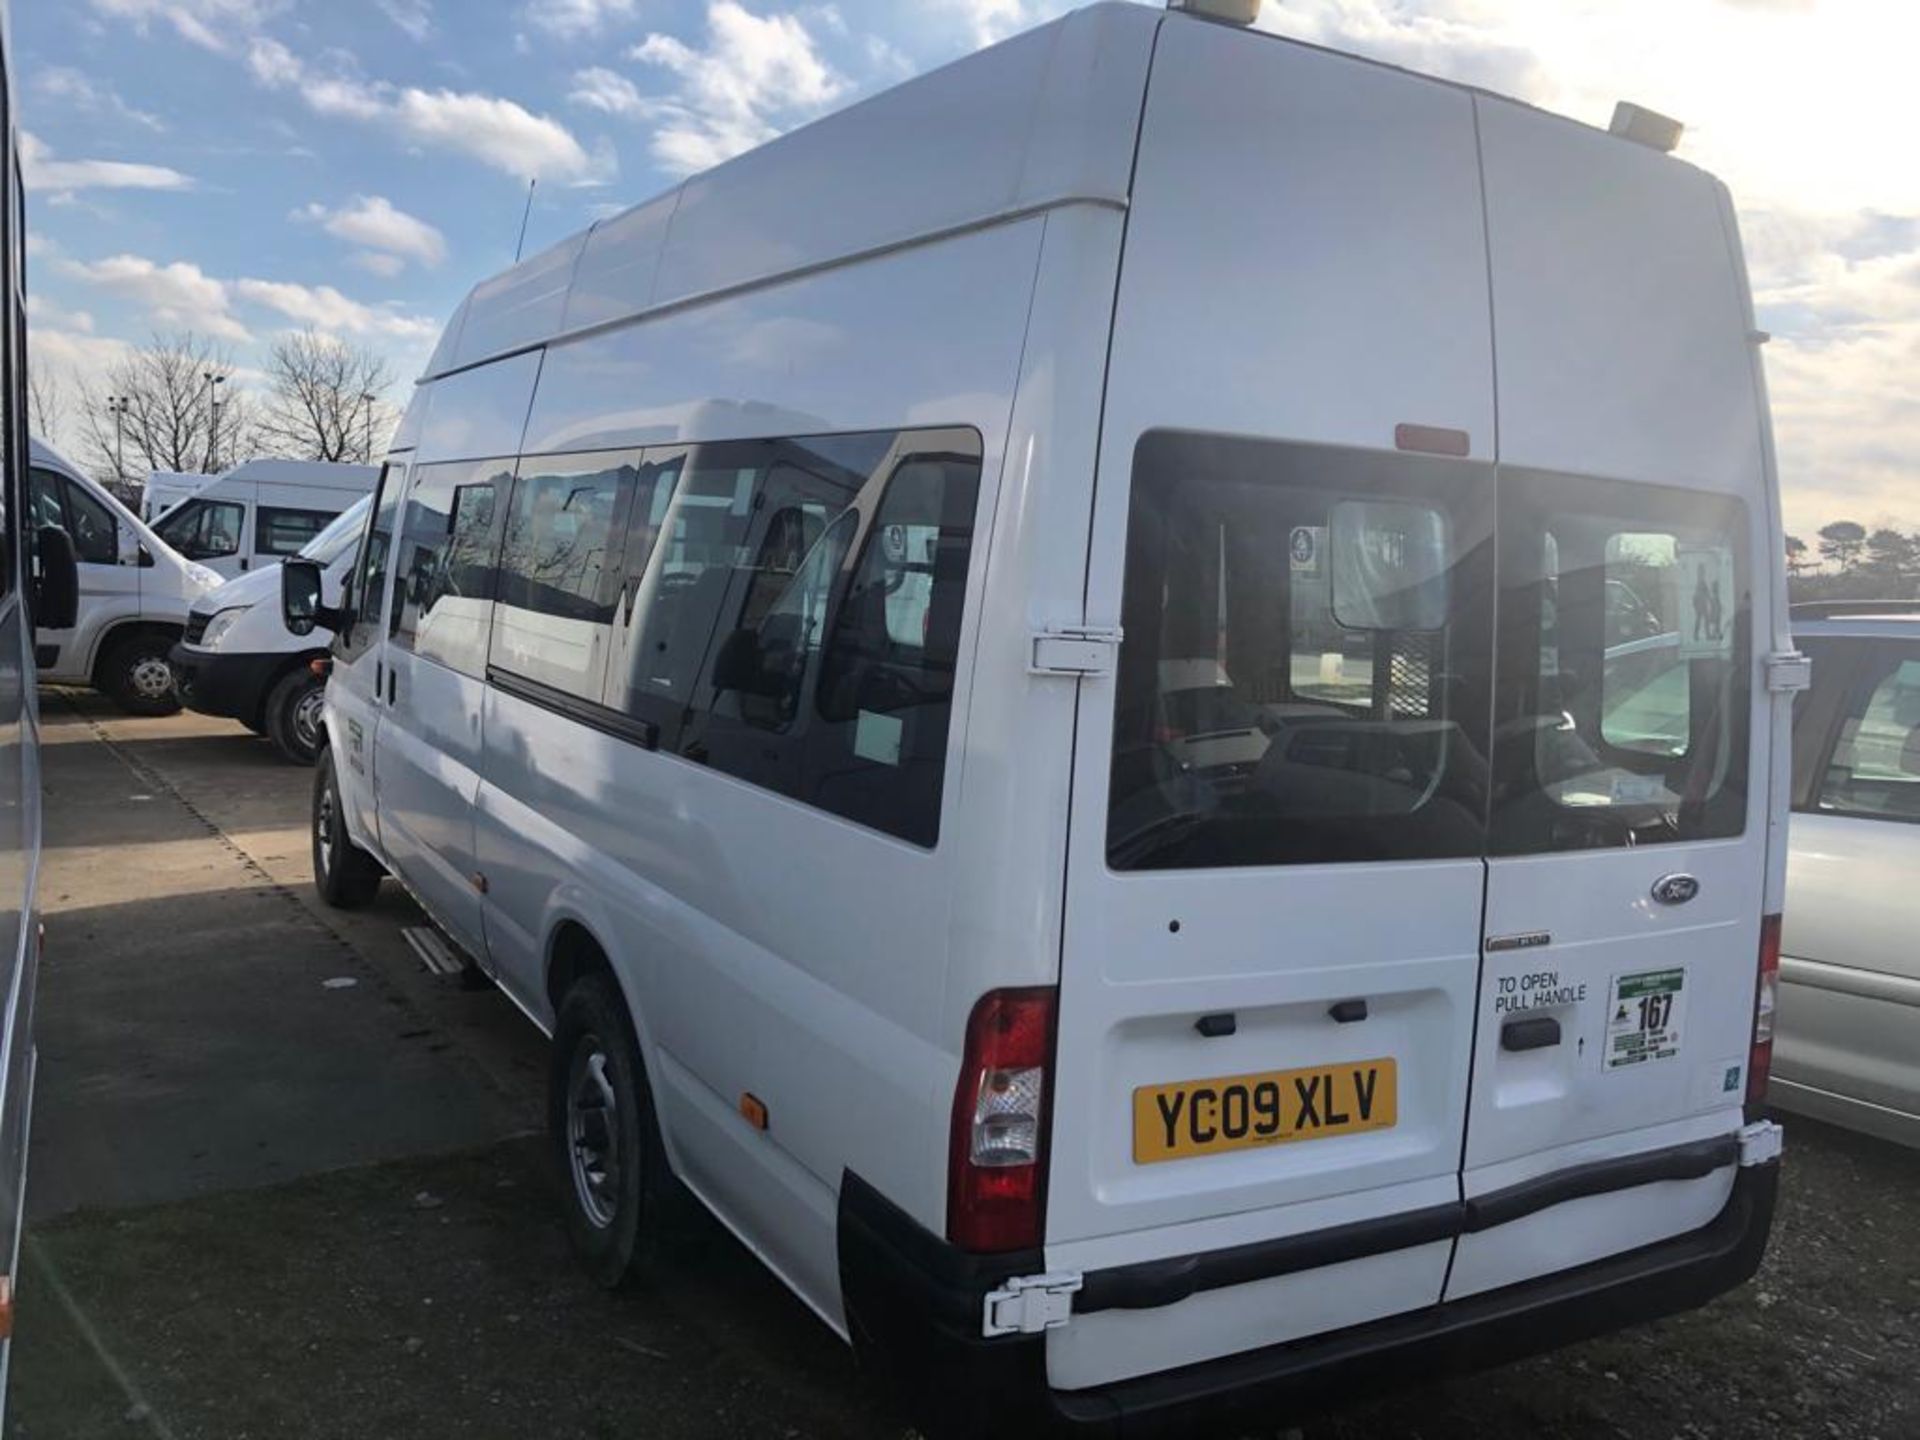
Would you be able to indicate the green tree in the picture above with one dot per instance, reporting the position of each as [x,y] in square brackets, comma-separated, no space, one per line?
[1796,556]
[1893,559]
[1841,543]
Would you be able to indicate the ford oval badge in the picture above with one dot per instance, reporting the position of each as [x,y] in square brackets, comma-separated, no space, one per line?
[1675,889]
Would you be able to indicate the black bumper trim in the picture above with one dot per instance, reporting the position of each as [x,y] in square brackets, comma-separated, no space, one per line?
[1153,1283]
[232,687]
[914,1306]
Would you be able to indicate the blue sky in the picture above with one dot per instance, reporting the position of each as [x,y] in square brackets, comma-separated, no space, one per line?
[242,167]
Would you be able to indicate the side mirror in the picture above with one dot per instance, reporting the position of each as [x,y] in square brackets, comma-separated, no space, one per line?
[1389,567]
[300,606]
[56,598]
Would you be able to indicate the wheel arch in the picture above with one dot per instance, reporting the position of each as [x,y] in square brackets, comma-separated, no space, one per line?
[298,660]
[112,634]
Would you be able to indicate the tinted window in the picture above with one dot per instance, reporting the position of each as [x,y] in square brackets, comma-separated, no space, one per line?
[561,569]
[45,499]
[279,531]
[1624,695]
[204,529]
[443,567]
[1874,770]
[95,531]
[367,596]
[838,569]
[1304,670]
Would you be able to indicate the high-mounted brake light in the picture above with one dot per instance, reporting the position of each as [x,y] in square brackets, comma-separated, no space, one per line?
[996,1160]
[1766,993]
[1234,12]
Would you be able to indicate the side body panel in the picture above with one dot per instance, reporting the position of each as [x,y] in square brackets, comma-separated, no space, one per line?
[766,946]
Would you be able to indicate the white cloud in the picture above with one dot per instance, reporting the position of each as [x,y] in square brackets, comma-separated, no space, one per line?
[326,309]
[608,91]
[182,296]
[576,19]
[378,262]
[63,177]
[990,21]
[757,77]
[217,25]
[179,296]
[45,312]
[80,91]
[414,17]
[495,131]
[373,223]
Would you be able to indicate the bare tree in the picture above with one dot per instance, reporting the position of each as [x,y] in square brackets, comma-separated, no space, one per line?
[46,403]
[325,402]
[169,405]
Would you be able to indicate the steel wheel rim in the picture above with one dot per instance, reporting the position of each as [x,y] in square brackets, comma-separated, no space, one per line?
[593,1133]
[307,718]
[323,829]
[151,677]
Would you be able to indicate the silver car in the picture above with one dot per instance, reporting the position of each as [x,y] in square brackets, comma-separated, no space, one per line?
[1847,1045]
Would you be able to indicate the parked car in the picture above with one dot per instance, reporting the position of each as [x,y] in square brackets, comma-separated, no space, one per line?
[773,659]
[1848,1043]
[261,512]
[239,660]
[135,590]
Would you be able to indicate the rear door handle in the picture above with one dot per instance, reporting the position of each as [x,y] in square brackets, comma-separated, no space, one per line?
[393,686]
[1535,1034]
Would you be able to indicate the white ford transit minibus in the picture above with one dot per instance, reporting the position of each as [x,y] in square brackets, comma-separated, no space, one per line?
[262,511]
[1023,680]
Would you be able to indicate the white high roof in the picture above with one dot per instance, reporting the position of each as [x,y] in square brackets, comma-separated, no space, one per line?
[1044,119]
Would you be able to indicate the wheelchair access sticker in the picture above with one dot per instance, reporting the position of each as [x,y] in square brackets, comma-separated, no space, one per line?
[1643,1017]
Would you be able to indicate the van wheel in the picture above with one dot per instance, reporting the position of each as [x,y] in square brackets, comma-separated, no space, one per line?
[294,715]
[347,877]
[605,1135]
[135,675]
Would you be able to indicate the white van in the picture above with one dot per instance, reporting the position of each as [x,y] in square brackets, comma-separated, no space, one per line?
[165,489]
[261,512]
[239,660]
[769,660]
[135,590]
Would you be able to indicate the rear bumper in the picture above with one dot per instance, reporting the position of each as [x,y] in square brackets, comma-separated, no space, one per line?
[233,687]
[914,1307]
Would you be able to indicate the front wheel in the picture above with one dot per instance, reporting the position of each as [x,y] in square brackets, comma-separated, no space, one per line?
[347,877]
[136,675]
[605,1136]
[295,715]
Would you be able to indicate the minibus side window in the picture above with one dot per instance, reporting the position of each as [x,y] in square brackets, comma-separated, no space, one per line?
[444,563]
[561,568]
[1874,771]
[367,600]
[1623,700]
[204,529]
[279,530]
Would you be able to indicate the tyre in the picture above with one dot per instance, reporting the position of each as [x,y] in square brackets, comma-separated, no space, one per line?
[294,715]
[605,1135]
[135,675]
[347,877]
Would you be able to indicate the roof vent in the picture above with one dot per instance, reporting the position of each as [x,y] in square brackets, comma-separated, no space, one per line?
[1646,127]
[1234,12]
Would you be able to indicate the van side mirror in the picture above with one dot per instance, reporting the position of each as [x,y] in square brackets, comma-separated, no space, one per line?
[1389,565]
[300,605]
[56,592]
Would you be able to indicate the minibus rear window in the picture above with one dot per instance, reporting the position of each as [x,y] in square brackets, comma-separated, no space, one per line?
[1311,671]
[1306,665]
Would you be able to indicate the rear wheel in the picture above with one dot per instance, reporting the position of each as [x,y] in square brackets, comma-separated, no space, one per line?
[135,674]
[347,877]
[294,715]
[605,1137]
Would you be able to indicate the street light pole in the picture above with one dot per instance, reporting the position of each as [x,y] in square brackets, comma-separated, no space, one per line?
[366,399]
[213,423]
[118,405]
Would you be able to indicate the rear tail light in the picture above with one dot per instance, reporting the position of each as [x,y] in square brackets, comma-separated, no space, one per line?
[996,1162]
[1760,1058]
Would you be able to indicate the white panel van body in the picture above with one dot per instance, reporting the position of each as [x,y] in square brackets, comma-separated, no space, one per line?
[1029,680]
[165,489]
[262,511]
[135,591]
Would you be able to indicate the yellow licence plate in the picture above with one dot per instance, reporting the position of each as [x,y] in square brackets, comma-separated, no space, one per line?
[1209,1117]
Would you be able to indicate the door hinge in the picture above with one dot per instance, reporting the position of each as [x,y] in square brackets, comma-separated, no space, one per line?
[1761,1143]
[1028,1304]
[1075,650]
[1788,672]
